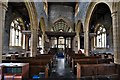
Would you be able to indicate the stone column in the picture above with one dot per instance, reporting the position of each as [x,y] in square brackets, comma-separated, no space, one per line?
[43,42]
[116,37]
[3,8]
[71,43]
[26,42]
[34,38]
[57,41]
[78,39]
[50,42]
[65,43]
[86,43]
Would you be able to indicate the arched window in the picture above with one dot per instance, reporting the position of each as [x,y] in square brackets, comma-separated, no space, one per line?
[101,37]
[40,42]
[61,25]
[54,42]
[16,36]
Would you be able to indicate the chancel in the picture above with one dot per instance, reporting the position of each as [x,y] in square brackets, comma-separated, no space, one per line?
[48,39]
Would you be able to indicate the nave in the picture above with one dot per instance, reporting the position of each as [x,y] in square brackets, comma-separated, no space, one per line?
[61,70]
[64,70]
[33,33]
[60,65]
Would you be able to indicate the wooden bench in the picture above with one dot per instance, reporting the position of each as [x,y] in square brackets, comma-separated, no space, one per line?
[83,61]
[77,57]
[44,57]
[105,55]
[71,56]
[94,70]
[88,60]
[36,65]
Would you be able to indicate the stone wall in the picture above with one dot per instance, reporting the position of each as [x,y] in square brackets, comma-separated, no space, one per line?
[41,13]
[9,17]
[83,6]
[107,22]
[57,11]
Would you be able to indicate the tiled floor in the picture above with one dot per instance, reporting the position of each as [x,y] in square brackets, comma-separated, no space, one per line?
[61,70]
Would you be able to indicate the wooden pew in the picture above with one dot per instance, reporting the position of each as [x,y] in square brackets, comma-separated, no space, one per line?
[36,65]
[79,56]
[43,56]
[109,56]
[95,70]
[86,60]
[71,56]
[39,58]
[12,55]
[12,70]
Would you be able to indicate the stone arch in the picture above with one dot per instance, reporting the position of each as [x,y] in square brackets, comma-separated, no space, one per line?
[42,24]
[66,20]
[79,26]
[90,11]
[88,17]
[32,14]
[65,27]
[21,20]
[97,27]
[34,26]
[79,34]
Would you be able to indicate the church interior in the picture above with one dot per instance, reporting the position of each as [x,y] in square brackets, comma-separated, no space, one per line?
[74,40]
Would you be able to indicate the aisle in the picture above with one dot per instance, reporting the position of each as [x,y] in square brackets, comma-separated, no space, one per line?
[61,70]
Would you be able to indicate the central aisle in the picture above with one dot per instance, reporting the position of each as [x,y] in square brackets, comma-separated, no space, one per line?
[61,70]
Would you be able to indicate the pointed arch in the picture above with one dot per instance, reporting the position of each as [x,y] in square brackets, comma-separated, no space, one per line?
[42,24]
[34,26]
[61,25]
[68,22]
[90,12]
[79,26]
[32,14]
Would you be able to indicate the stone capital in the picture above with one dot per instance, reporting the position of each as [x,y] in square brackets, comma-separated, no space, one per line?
[4,6]
[113,14]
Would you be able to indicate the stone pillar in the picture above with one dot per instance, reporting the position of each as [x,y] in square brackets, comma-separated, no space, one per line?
[57,41]
[50,42]
[116,37]
[7,32]
[43,42]
[3,8]
[65,43]
[34,38]
[71,43]
[75,44]
[78,39]
[26,42]
[86,43]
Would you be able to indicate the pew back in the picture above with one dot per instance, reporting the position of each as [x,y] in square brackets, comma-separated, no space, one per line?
[95,69]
